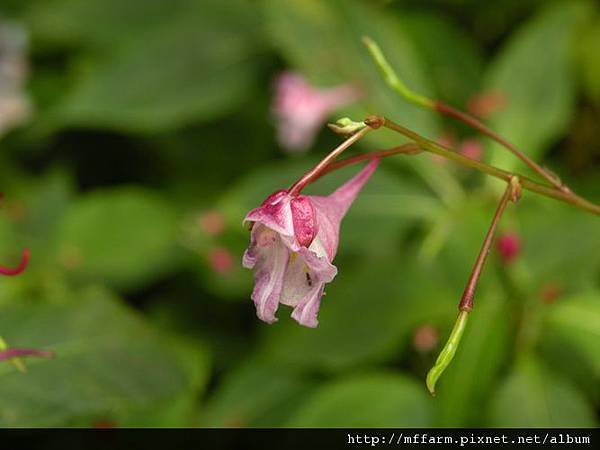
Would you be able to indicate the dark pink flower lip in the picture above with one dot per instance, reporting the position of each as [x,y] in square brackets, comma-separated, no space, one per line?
[304,219]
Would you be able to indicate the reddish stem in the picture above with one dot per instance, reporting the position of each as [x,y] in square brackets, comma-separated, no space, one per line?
[449,111]
[407,149]
[313,174]
[20,268]
[466,301]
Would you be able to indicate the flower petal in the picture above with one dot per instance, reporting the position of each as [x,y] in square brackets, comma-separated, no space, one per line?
[331,209]
[275,213]
[270,263]
[305,313]
[304,220]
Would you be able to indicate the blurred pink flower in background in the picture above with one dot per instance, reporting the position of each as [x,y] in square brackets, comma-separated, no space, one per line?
[14,104]
[220,260]
[292,245]
[485,104]
[471,148]
[425,338]
[509,247]
[301,109]
[212,222]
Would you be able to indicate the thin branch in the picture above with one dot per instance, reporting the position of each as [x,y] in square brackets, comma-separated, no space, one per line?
[407,149]
[465,118]
[466,301]
[398,85]
[313,174]
[526,183]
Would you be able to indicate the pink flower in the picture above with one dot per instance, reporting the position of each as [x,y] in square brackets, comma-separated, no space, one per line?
[300,109]
[292,246]
[485,104]
[471,148]
[220,260]
[212,222]
[509,246]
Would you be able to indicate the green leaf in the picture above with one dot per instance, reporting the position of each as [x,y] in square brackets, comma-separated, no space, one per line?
[451,58]
[323,40]
[178,64]
[589,63]
[534,397]
[122,236]
[256,394]
[180,410]
[108,362]
[562,251]
[571,335]
[373,400]
[96,23]
[533,72]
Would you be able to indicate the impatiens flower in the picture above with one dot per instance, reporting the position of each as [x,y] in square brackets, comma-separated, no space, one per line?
[301,109]
[292,246]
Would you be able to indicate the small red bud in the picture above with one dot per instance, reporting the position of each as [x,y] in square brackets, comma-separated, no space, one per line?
[221,260]
[509,247]
[425,338]
[485,104]
[212,222]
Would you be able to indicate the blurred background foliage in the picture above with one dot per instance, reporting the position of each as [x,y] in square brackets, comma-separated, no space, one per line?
[146,134]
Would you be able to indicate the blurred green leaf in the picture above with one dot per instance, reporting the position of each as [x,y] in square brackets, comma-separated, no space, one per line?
[373,400]
[181,410]
[532,396]
[588,51]
[553,250]
[323,40]
[122,236]
[107,362]
[256,394]
[533,73]
[97,23]
[452,59]
[572,328]
[179,63]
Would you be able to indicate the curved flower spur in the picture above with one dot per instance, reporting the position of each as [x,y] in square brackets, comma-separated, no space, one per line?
[13,354]
[293,242]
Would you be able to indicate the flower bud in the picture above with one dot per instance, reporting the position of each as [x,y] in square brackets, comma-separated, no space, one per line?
[346,126]
[508,246]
